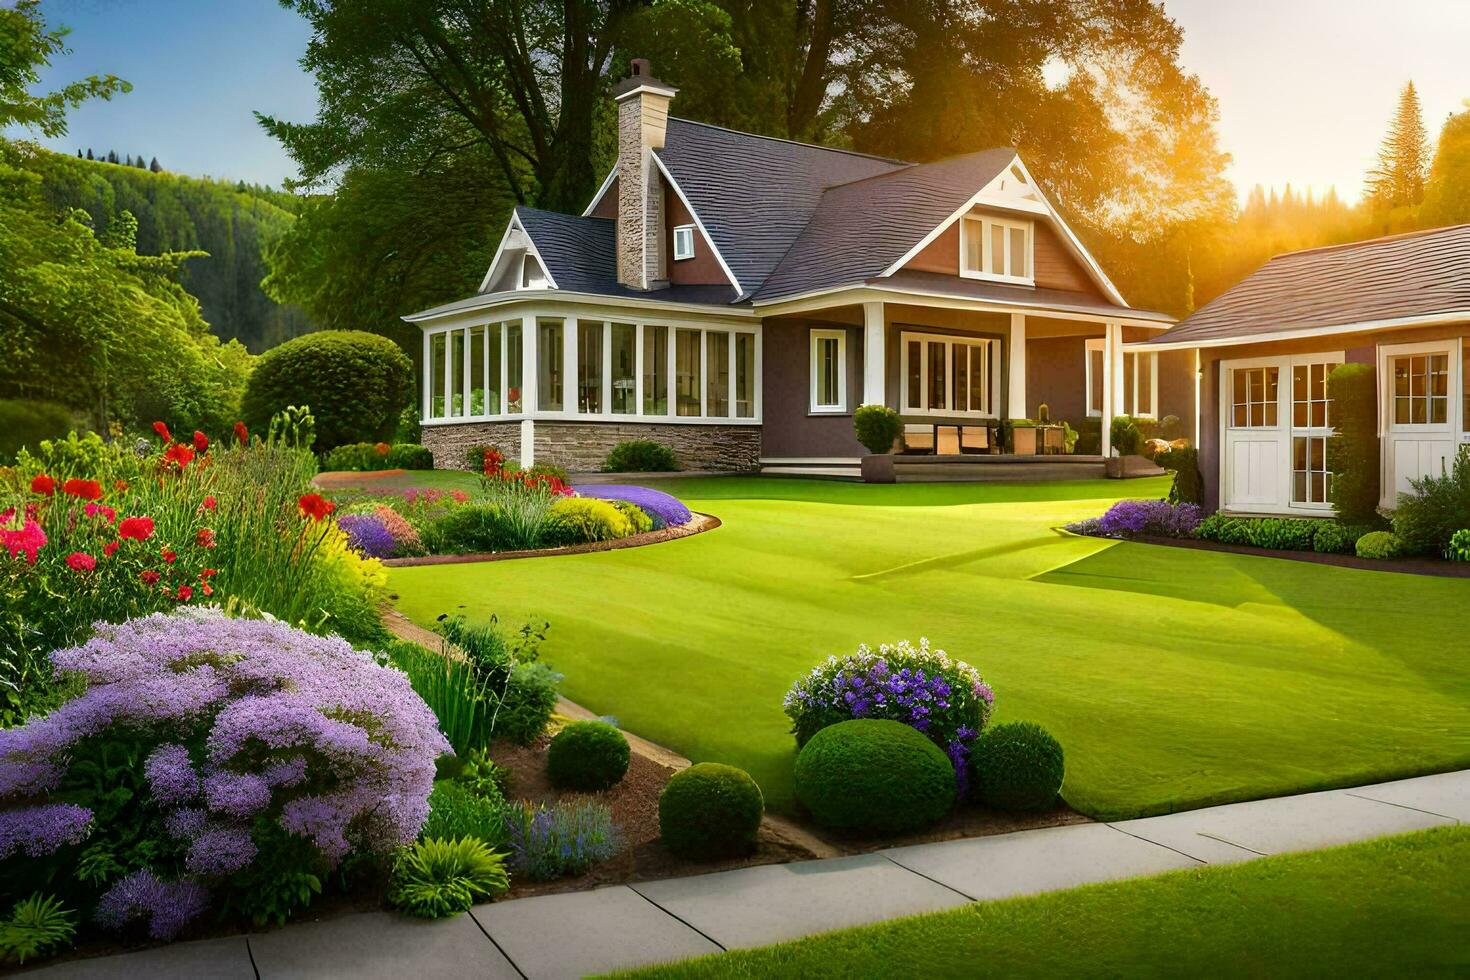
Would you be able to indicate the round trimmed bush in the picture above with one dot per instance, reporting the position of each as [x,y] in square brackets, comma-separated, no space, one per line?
[640,456]
[710,811]
[356,384]
[589,755]
[1378,544]
[877,427]
[1017,766]
[874,775]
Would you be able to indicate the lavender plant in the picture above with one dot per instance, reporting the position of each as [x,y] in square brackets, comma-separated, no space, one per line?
[368,535]
[565,839]
[1135,518]
[666,510]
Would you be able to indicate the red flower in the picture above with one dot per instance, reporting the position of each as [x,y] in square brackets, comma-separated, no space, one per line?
[210,503]
[460,497]
[168,555]
[120,485]
[242,436]
[382,448]
[149,577]
[205,538]
[315,506]
[43,485]
[493,461]
[86,489]
[5,517]
[163,432]
[201,441]
[179,454]
[109,548]
[80,561]
[207,589]
[185,593]
[139,528]
[207,574]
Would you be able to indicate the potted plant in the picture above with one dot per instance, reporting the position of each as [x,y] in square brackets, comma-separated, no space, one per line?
[878,428]
[1126,462]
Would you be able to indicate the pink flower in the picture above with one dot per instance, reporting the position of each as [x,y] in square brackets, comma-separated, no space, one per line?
[29,539]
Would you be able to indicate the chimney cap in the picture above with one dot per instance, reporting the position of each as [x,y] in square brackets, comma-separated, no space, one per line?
[640,79]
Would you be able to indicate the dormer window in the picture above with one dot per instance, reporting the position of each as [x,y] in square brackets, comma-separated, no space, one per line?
[996,248]
[683,242]
[532,275]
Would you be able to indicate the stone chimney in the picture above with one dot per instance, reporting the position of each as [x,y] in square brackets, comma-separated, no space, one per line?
[643,114]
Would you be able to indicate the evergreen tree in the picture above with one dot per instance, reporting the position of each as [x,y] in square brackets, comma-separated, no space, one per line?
[112,156]
[138,162]
[128,160]
[89,153]
[153,166]
[1403,158]
[1447,195]
[79,154]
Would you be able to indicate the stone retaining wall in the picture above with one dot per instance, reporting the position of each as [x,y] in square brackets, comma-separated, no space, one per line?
[450,443]
[581,447]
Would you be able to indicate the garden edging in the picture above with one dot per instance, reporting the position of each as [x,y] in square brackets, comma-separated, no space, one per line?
[696,525]
[1404,566]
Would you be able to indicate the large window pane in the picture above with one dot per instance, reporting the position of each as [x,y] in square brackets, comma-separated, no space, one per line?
[974,242]
[1018,252]
[960,355]
[655,370]
[1095,380]
[1130,387]
[589,367]
[717,360]
[437,347]
[997,266]
[456,374]
[549,368]
[979,377]
[745,375]
[938,384]
[686,370]
[624,369]
[915,355]
[514,360]
[494,337]
[477,370]
[1144,396]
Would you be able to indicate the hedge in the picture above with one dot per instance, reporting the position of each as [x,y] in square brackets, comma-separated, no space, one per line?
[1352,456]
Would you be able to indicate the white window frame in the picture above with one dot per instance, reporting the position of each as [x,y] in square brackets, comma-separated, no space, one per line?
[686,234]
[572,320]
[992,346]
[986,222]
[815,346]
[1308,431]
[1100,345]
[1151,358]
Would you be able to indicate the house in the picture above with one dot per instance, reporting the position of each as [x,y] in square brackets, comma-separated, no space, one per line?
[1266,346]
[737,297]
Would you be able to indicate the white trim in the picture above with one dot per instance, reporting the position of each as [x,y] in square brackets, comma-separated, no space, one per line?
[850,295]
[1016,368]
[505,241]
[1098,274]
[814,345]
[663,90]
[575,300]
[1455,430]
[987,246]
[1298,333]
[695,215]
[991,347]
[875,355]
[688,253]
[1099,344]
[602,190]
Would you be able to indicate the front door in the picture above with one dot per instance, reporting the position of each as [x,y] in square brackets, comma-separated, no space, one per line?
[1421,415]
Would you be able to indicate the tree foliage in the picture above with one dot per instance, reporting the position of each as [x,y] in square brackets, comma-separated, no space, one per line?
[1447,193]
[1403,158]
[27,45]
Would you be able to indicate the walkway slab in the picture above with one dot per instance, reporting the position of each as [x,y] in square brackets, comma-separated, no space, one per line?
[759,906]
[1447,794]
[380,946]
[579,933]
[1288,823]
[210,959]
[1030,861]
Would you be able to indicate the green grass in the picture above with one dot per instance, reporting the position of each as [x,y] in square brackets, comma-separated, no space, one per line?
[1398,906]
[1173,678]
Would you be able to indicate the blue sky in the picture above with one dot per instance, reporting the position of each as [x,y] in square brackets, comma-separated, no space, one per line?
[1305,86]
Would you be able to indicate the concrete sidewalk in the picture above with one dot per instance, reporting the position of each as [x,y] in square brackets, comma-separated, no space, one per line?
[623,926]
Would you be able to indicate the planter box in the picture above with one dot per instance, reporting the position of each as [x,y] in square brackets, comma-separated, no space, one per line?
[1132,468]
[878,468]
[1023,440]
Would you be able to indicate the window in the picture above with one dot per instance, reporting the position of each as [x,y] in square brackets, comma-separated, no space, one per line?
[745,375]
[996,248]
[624,369]
[655,370]
[1421,387]
[549,352]
[948,375]
[688,371]
[829,371]
[437,373]
[683,242]
[477,371]
[1140,381]
[717,356]
[1254,397]
[1310,429]
[514,359]
[494,361]
[1095,375]
[589,366]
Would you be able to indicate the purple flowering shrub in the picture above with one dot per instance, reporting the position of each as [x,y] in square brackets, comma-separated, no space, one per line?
[945,699]
[368,535]
[212,760]
[566,838]
[665,509]
[1142,518]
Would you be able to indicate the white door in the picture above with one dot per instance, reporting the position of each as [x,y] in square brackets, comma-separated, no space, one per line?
[1254,460]
[1420,412]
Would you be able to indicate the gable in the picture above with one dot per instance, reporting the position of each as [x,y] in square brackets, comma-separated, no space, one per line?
[1054,266]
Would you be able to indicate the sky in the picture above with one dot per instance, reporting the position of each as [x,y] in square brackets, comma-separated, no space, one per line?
[1305,87]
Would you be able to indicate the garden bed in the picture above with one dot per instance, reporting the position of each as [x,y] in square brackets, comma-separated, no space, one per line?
[1408,566]
[697,525]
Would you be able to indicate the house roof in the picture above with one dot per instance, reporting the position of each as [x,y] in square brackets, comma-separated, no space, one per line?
[1402,277]
[860,228]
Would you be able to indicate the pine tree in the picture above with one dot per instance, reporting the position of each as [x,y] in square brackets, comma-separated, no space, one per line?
[153,166]
[112,156]
[1403,158]
[138,162]
[79,154]
[89,153]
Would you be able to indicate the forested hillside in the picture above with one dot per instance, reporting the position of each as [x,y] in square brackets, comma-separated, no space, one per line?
[234,223]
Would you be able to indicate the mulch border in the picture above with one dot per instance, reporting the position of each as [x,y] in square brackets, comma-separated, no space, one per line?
[1406,566]
[698,524]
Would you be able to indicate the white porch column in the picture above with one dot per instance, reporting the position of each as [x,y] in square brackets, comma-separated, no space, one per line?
[1016,370]
[874,355]
[426,379]
[1120,406]
[529,398]
[1107,390]
[570,389]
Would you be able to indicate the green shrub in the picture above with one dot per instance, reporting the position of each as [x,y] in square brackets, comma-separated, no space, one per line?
[530,699]
[410,456]
[1459,546]
[466,529]
[875,776]
[25,422]
[482,776]
[356,384]
[1126,434]
[433,879]
[710,811]
[640,456]
[85,456]
[1016,766]
[1281,533]
[456,811]
[1336,538]
[577,520]
[638,518]
[1379,544]
[877,427]
[1089,435]
[1426,519]
[587,755]
[1225,530]
[1352,456]
[36,926]
[369,456]
[1188,486]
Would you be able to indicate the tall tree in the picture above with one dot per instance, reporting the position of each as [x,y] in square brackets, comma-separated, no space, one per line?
[1403,158]
[153,166]
[1447,194]
[28,45]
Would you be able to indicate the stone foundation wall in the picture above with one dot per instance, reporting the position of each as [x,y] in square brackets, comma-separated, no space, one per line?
[449,443]
[581,447]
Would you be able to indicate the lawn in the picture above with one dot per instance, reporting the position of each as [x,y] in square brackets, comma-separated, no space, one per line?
[1174,678]
[1398,906]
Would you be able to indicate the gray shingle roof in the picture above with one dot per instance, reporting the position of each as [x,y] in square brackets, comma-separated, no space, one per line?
[755,194]
[1419,274]
[861,228]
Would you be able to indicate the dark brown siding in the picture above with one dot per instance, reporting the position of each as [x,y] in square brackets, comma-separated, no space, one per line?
[704,268]
[789,429]
[941,255]
[608,206]
[1056,374]
[1055,266]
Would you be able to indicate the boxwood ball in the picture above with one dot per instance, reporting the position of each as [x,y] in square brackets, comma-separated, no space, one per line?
[710,811]
[1016,766]
[874,776]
